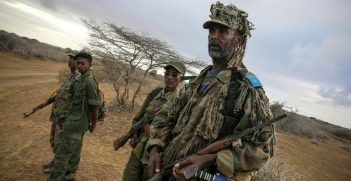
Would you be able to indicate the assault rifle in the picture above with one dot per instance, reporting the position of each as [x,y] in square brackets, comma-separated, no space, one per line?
[193,170]
[48,101]
[41,106]
[187,77]
[119,142]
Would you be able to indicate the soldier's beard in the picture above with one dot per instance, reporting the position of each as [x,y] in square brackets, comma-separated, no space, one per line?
[220,54]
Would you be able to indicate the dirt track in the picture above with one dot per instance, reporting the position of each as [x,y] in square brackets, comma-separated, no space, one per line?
[25,83]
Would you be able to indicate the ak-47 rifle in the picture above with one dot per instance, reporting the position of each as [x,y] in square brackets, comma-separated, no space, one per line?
[37,108]
[119,142]
[44,104]
[187,77]
[193,170]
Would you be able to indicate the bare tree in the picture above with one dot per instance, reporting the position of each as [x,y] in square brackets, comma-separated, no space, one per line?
[123,53]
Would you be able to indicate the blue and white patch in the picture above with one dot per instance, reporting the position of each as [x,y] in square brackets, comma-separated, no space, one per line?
[254,82]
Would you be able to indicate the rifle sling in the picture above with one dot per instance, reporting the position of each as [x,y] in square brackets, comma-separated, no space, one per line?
[230,120]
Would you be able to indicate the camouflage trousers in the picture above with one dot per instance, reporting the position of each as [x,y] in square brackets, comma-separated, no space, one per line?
[135,170]
[55,136]
[67,157]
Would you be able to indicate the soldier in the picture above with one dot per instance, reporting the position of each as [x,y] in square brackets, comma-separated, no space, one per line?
[60,106]
[82,116]
[136,168]
[224,98]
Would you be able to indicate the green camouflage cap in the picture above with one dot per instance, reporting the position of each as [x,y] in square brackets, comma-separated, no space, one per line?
[229,16]
[71,55]
[179,66]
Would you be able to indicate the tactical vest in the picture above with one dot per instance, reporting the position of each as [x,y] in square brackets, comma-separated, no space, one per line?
[231,119]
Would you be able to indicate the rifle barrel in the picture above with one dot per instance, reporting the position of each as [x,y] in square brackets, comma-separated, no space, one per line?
[257,127]
[119,142]
[187,77]
[224,141]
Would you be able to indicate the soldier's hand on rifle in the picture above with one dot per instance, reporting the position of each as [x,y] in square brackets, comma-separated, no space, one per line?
[154,161]
[201,161]
[133,141]
[146,128]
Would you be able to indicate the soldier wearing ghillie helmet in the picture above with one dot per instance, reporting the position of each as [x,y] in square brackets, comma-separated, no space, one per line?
[225,98]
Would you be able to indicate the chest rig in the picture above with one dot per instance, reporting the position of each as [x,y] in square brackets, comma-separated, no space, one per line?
[231,120]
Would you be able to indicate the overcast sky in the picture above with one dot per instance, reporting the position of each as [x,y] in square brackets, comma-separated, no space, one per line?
[300,49]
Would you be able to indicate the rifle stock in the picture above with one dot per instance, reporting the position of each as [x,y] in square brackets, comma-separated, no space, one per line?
[119,142]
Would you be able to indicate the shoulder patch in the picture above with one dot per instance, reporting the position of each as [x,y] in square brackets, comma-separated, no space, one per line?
[254,82]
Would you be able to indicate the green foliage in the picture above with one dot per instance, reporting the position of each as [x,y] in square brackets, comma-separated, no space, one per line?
[30,47]
[153,73]
[277,108]
[68,50]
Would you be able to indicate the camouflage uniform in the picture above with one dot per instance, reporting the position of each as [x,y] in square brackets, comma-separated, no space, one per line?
[157,99]
[59,109]
[199,119]
[136,168]
[198,114]
[77,122]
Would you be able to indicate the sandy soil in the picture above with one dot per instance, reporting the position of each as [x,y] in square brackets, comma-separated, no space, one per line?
[26,82]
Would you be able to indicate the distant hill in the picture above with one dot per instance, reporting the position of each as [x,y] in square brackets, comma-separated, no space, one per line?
[309,127]
[10,42]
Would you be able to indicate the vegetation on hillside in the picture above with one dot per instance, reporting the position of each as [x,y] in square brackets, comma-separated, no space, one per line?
[309,127]
[10,42]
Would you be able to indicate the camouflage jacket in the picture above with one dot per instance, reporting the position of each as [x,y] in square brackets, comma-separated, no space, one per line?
[198,120]
[85,94]
[150,109]
[62,99]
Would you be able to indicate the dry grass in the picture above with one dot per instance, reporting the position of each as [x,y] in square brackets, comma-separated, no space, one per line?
[279,169]
[307,126]
[62,75]
[347,148]
[300,125]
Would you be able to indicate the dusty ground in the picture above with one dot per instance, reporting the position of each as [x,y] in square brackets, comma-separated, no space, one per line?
[26,82]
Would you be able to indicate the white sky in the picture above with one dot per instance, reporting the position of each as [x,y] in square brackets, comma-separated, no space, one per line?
[299,49]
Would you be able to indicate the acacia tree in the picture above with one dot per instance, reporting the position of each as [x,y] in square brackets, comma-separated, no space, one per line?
[123,53]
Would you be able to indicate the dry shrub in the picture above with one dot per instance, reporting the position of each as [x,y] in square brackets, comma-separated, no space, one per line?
[62,75]
[347,148]
[307,126]
[11,42]
[278,169]
[153,73]
[277,108]
[335,130]
[114,107]
[342,133]
[298,124]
